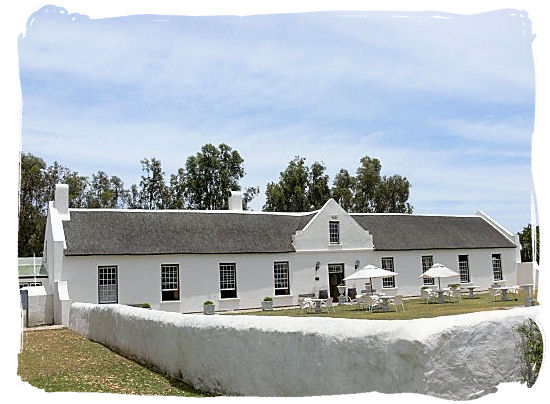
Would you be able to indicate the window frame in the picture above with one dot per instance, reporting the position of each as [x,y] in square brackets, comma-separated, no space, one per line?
[281,290]
[464,270]
[99,285]
[177,295]
[498,268]
[334,234]
[427,281]
[223,266]
[388,281]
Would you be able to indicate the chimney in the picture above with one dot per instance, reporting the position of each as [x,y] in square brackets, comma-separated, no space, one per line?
[61,202]
[236,200]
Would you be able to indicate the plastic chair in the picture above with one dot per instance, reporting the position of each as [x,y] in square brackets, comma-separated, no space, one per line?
[495,294]
[305,304]
[397,301]
[329,304]
[455,295]
[426,294]
[371,303]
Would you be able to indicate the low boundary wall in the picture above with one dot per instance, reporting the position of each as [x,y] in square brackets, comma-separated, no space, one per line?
[454,357]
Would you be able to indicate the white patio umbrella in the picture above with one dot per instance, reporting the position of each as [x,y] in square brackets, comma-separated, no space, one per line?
[369,272]
[439,271]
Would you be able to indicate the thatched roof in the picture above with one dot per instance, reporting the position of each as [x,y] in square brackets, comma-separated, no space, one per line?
[106,232]
[138,232]
[418,232]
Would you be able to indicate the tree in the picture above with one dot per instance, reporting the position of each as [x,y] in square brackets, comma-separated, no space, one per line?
[391,195]
[290,194]
[366,184]
[249,194]
[105,192]
[32,212]
[526,246]
[343,189]
[153,193]
[318,190]
[210,176]
[59,174]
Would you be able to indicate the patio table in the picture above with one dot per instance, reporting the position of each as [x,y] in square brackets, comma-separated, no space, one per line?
[384,299]
[471,289]
[317,302]
[441,295]
[504,292]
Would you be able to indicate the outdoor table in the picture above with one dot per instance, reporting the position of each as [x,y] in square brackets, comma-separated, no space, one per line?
[471,295]
[441,295]
[318,308]
[384,299]
[504,292]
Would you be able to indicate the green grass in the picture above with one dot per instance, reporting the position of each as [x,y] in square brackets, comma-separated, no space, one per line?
[414,308]
[60,360]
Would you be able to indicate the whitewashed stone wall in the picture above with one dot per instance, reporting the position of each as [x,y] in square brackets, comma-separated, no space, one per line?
[453,357]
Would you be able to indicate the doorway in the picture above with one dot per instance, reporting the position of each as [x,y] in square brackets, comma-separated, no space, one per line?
[335,277]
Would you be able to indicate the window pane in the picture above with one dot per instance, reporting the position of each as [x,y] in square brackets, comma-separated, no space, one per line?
[228,280]
[387,264]
[464,269]
[107,284]
[497,267]
[169,282]
[334,232]
[427,262]
[280,275]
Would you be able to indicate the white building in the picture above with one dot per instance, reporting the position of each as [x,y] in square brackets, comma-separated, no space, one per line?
[176,259]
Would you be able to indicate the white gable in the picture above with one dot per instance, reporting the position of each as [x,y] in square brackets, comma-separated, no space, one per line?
[315,236]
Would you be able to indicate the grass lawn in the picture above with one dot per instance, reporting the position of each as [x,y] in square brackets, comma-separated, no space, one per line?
[60,360]
[414,308]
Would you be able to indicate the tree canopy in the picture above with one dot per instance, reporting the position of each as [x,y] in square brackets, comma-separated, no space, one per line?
[204,183]
[301,188]
[525,239]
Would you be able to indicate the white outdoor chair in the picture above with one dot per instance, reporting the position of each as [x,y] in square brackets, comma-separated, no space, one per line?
[426,294]
[371,303]
[495,294]
[359,301]
[455,295]
[329,304]
[305,304]
[397,301]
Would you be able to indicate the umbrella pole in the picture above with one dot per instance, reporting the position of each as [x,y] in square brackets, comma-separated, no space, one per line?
[439,281]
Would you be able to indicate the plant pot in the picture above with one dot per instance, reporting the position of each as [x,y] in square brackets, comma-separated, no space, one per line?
[267,305]
[209,308]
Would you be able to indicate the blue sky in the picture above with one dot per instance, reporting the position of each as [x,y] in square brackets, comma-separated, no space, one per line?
[445,100]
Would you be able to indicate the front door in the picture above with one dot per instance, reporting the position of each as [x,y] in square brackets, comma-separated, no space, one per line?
[335,277]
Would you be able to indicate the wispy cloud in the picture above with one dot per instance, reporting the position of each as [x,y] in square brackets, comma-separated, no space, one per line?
[447,102]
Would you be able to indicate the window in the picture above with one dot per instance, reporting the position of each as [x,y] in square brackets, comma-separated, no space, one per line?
[107,285]
[427,262]
[497,267]
[334,232]
[22,285]
[280,273]
[463,269]
[228,281]
[389,281]
[169,282]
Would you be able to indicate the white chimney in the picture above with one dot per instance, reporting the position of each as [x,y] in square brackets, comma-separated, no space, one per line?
[236,200]
[61,202]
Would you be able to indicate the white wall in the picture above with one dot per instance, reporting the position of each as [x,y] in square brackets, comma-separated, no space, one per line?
[453,357]
[139,276]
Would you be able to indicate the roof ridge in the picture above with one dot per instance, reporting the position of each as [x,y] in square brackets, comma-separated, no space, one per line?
[244,212]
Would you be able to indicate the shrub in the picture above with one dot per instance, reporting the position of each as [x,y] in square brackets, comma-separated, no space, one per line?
[531,350]
[208,303]
[268,299]
[145,305]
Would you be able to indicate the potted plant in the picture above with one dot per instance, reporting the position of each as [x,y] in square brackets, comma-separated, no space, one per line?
[267,303]
[454,285]
[208,307]
[145,306]
[341,289]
